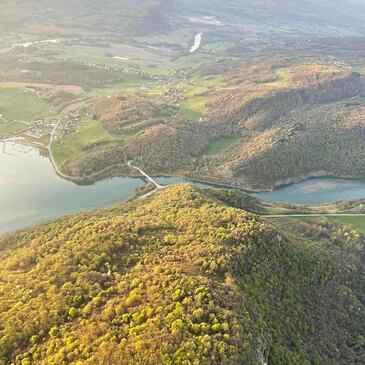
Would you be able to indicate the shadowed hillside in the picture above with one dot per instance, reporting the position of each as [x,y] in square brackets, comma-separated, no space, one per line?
[181,279]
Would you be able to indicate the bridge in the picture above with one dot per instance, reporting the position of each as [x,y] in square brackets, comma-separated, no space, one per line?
[149,178]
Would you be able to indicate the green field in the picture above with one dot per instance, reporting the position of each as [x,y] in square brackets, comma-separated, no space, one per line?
[11,128]
[357,223]
[192,110]
[193,106]
[218,145]
[21,104]
[72,143]
[196,96]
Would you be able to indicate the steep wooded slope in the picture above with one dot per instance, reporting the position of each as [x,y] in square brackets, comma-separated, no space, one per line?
[181,279]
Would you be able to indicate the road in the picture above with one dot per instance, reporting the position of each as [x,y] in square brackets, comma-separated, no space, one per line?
[149,178]
[57,169]
[314,215]
[33,112]
[68,177]
[49,148]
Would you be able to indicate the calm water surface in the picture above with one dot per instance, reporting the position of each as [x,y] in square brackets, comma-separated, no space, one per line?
[310,192]
[317,191]
[31,192]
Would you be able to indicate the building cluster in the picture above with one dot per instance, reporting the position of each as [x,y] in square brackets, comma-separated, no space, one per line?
[73,120]
[39,128]
[173,95]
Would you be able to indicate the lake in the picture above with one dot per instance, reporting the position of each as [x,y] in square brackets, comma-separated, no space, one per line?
[317,191]
[31,192]
[314,191]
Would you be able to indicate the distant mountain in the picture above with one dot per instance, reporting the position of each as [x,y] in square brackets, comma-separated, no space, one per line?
[182,278]
[136,17]
[123,17]
[294,16]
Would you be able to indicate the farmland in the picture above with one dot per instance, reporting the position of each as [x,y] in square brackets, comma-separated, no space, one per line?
[216,94]
[100,97]
[11,97]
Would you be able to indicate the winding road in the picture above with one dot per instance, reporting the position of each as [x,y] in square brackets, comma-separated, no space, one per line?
[34,110]
[68,177]
[159,187]
[49,148]
[54,162]
[310,215]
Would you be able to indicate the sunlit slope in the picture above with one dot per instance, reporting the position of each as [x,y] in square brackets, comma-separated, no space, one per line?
[295,121]
[181,279]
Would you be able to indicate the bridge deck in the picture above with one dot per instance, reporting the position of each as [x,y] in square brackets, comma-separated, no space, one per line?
[149,178]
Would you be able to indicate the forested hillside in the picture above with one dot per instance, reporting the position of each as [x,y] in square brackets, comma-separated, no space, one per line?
[274,93]
[181,278]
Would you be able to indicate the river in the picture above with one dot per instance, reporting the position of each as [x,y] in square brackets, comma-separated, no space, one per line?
[31,192]
[197,42]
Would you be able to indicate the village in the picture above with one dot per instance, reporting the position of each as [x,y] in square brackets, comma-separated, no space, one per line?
[38,131]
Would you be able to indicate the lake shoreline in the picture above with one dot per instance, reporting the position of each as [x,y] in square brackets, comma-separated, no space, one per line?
[327,208]
[220,183]
[32,192]
[108,173]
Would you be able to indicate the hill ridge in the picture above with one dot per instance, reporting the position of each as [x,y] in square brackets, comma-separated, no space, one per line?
[178,278]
